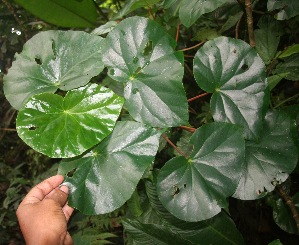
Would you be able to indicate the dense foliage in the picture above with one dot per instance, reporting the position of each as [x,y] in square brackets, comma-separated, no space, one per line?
[108,90]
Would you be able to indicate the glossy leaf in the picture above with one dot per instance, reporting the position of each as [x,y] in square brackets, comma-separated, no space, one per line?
[289,65]
[66,127]
[269,161]
[196,189]
[53,60]
[66,13]
[235,74]
[288,8]
[139,53]
[283,216]
[107,176]
[190,11]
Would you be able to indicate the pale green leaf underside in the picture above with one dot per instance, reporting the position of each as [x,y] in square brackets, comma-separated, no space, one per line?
[196,189]
[53,60]
[66,127]
[269,161]
[235,74]
[107,176]
[139,53]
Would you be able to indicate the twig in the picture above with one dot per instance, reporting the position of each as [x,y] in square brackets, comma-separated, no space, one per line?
[10,8]
[248,9]
[289,202]
[8,129]
[192,130]
[195,46]
[177,31]
[197,97]
[288,99]
[173,145]
[238,26]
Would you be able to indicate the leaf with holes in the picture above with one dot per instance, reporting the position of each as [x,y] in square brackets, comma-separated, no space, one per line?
[196,188]
[269,161]
[235,74]
[139,53]
[53,60]
[106,177]
[66,13]
[66,127]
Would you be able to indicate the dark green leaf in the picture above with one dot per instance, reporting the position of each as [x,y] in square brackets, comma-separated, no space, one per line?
[205,33]
[196,189]
[289,8]
[283,216]
[269,161]
[53,60]
[190,11]
[289,65]
[184,145]
[231,21]
[66,127]
[107,176]
[66,13]
[275,242]
[139,53]
[275,79]
[235,74]
[293,49]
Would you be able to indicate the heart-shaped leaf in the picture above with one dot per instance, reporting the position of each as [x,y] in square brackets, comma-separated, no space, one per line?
[196,189]
[269,161]
[53,60]
[107,177]
[235,74]
[141,54]
[66,127]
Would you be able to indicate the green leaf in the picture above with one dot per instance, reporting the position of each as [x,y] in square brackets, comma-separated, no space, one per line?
[184,145]
[66,127]
[289,65]
[53,60]
[205,33]
[289,8]
[235,74]
[190,11]
[104,29]
[269,161]
[231,21]
[107,176]
[66,13]
[196,189]
[283,216]
[275,79]
[293,49]
[275,242]
[139,53]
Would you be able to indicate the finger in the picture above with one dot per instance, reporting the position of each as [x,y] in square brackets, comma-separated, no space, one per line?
[58,196]
[39,192]
[67,210]
[68,240]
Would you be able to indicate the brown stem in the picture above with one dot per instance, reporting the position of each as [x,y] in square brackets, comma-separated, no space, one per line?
[173,145]
[248,9]
[238,26]
[289,202]
[195,46]
[10,8]
[151,13]
[192,130]
[177,31]
[197,97]
[8,129]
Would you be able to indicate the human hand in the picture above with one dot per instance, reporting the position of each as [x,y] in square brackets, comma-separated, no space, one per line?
[44,213]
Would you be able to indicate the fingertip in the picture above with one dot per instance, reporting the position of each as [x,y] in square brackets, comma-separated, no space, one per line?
[64,188]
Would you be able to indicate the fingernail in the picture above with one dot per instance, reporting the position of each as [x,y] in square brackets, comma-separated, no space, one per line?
[64,188]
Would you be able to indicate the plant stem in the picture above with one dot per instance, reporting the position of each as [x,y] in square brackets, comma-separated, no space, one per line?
[10,8]
[192,130]
[289,202]
[8,129]
[177,31]
[151,13]
[197,97]
[195,46]
[248,9]
[288,99]
[173,145]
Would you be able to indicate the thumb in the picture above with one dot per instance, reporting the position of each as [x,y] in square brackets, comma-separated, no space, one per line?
[58,196]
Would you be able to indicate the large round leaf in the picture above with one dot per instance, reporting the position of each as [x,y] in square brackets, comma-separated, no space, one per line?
[195,189]
[107,177]
[53,60]
[66,127]
[141,54]
[234,72]
[269,161]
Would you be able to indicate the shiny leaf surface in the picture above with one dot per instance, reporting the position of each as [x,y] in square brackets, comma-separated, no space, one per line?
[53,60]
[66,13]
[196,189]
[235,74]
[269,161]
[107,176]
[66,127]
[139,53]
